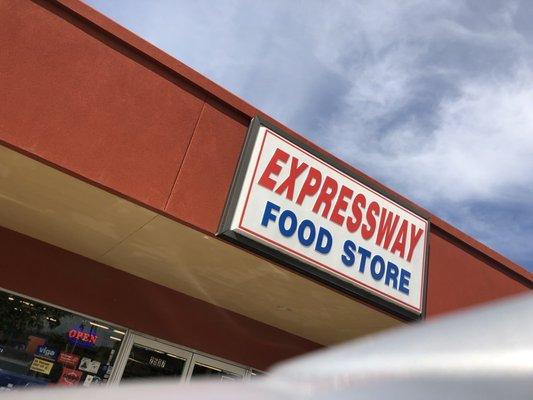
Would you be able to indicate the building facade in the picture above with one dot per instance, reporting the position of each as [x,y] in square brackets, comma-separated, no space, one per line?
[154,224]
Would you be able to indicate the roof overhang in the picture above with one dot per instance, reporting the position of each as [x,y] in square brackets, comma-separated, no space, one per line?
[50,205]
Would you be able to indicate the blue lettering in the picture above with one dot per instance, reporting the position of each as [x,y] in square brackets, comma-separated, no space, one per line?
[322,247]
[377,275]
[392,274]
[287,231]
[301,233]
[364,256]
[267,215]
[404,281]
[348,258]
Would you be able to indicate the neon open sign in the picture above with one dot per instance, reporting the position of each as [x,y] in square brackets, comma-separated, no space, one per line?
[84,339]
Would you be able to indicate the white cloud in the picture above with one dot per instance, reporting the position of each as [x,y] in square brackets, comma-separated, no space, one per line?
[482,147]
[476,138]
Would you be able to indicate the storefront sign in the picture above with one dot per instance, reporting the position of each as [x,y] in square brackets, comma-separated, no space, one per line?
[69,377]
[92,380]
[69,359]
[89,365]
[84,338]
[157,362]
[289,202]
[33,343]
[88,380]
[107,370]
[46,352]
[42,366]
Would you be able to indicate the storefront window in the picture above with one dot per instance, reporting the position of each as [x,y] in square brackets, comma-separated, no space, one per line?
[42,345]
[144,362]
[254,374]
[206,371]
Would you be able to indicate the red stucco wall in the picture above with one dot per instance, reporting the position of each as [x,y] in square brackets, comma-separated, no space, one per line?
[460,277]
[91,106]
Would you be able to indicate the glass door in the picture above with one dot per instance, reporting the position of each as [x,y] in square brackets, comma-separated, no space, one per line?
[145,358]
[207,367]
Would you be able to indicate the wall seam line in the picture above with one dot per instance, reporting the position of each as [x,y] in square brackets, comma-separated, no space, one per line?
[100,258]
[180,166]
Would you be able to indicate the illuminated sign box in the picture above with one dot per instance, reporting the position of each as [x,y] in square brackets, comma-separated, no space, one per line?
[289,202]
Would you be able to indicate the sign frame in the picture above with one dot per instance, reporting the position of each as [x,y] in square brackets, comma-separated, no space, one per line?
[308,269]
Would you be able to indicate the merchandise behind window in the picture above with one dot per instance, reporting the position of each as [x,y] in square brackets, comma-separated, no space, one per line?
[146,363]
[42,345]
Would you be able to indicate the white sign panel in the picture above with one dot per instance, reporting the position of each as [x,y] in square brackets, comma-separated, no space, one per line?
[290,200]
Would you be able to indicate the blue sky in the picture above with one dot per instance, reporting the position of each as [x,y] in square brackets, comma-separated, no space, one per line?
[433,98]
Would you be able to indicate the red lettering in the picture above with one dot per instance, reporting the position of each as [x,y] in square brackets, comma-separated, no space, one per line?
[399,243]
[72,333]
[416,234]
[79,335]
[358,204]
[311,185]
[341,205]
[327,193]
[86,337]
[386,227]
[288,184]
[273,168]
[93,339]
[367,231]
